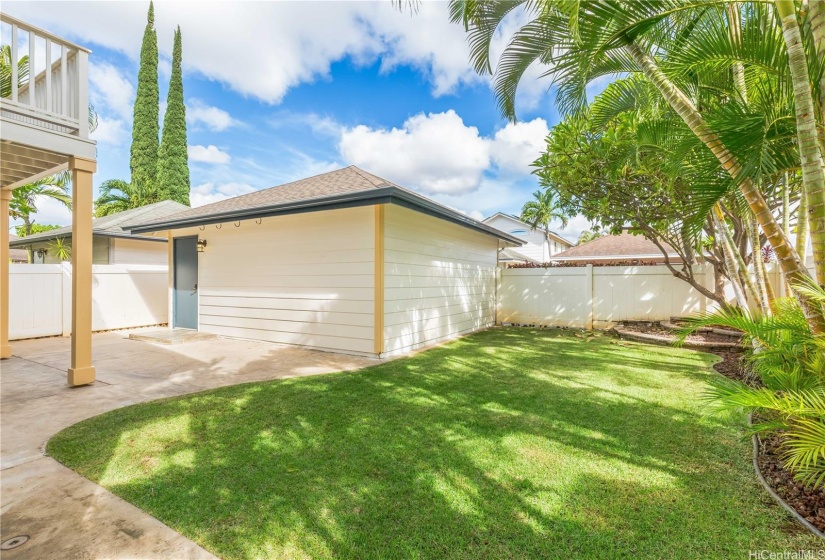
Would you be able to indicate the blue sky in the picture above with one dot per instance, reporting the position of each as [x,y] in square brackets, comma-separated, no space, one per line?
[278,91]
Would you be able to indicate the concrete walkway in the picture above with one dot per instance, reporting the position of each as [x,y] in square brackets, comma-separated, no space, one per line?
[66,516]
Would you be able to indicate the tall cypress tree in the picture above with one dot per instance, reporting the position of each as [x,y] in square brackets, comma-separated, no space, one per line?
[144,152]
[173,164]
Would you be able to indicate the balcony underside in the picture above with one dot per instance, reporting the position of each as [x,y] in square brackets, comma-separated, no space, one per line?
[29,152]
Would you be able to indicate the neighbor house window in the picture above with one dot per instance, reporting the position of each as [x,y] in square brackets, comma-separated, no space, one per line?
[519,232]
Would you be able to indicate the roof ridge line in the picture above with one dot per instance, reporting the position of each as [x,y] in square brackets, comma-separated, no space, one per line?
[361,172]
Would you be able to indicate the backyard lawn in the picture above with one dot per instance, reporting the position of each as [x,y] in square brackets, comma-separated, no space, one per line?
[510,443]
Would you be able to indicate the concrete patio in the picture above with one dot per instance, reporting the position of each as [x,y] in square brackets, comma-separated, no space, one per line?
[63,514]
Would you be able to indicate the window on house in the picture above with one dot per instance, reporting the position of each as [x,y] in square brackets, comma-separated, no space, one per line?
[519,232]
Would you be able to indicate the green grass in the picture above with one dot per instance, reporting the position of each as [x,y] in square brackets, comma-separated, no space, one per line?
[511,443]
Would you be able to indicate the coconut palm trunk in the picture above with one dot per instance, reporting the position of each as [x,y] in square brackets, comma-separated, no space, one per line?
[817,23]
[789,260]
[802,228]
[759,268]
[730,261]
[808,138]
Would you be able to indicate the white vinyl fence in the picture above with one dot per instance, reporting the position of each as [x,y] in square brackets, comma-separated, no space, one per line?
[597,297]
[123,296]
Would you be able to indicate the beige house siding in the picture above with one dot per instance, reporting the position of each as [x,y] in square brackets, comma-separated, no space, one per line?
[305,279]
[439,280]
[130,251]
[100,251]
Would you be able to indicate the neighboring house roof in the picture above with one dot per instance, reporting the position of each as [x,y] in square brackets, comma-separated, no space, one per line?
[517,220]
[17,255]
[112,225]
[344,188]
[624,245]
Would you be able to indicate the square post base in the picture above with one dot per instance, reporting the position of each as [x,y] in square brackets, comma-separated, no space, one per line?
[5,352]
[81,376]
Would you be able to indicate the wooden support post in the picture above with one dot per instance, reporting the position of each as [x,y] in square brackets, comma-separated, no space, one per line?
[5,349]
[81,370]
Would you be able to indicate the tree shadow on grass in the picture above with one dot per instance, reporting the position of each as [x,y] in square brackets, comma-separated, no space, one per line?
[495,446]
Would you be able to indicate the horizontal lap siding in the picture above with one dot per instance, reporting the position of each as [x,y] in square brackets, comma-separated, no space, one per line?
[439,280]
[304,279]
[132,251]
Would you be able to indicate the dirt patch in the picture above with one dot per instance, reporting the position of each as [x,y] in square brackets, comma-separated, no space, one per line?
[657,329]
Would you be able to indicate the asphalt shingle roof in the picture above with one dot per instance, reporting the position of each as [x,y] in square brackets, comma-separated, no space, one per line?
[625,244]
[17,255]
[342,181]
[112,224]
[348,187]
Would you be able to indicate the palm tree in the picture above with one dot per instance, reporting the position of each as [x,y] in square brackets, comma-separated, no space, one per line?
[117,195]
[585,42]
[811,151]
[790,368]
[588,235]
[5,70]
[23,203]
[541,211]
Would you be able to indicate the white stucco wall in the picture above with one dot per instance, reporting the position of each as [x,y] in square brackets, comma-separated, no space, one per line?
[305,279]
[439,280]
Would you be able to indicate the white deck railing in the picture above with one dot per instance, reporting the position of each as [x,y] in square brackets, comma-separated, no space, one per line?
[50,89]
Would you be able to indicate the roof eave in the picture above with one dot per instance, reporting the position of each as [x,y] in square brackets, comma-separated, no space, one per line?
[382,195]
[26,241]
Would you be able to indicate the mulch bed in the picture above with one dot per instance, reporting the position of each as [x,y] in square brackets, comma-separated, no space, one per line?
[656,328]
[809,503]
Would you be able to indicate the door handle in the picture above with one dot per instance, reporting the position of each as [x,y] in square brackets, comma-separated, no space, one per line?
[195,289]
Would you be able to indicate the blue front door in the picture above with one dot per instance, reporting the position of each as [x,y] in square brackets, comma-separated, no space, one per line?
[186,282]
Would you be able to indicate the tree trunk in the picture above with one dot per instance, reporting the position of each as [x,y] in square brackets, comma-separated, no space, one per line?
[817,22]
[786,215]
[791,265]
[735,28]
[802,228]
[759,268]
[27,225]
[813,172]
[730,262]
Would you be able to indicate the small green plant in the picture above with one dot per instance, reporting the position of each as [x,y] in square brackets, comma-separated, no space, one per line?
[789,360]
[61,249]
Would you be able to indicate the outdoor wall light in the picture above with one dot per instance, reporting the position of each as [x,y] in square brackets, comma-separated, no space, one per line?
[201,245]
[41,253]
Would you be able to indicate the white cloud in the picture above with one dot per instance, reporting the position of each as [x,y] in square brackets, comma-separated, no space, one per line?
[517,145]
[262,49]
[207,193]
[215,119]
[438,153]
[575,226]
[111,88]
[109,131]
[112,95]
[50,211]
[208,154]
